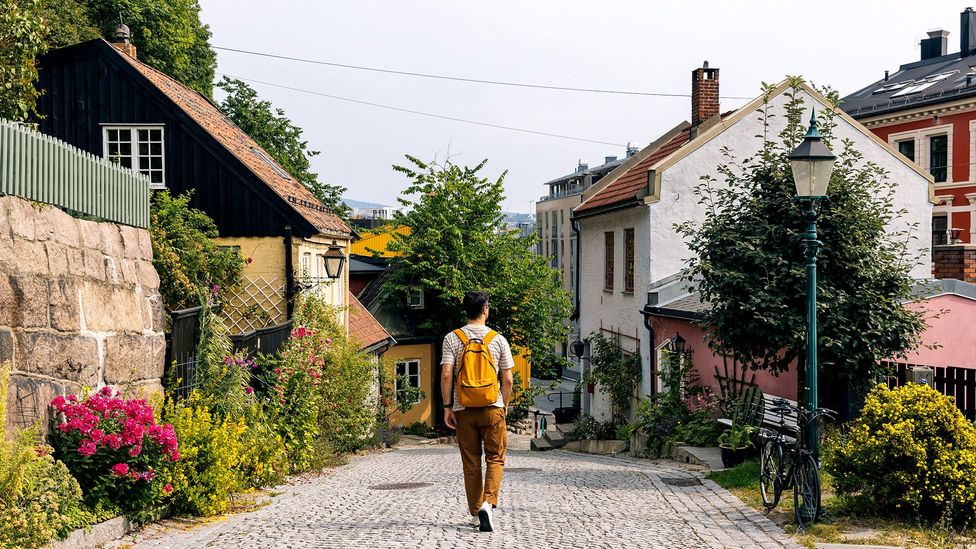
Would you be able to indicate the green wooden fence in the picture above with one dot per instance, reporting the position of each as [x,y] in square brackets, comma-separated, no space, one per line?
[41,168]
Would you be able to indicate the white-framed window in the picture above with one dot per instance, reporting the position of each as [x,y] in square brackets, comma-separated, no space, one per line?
[139,148]
[415,298]
[407,371]
[930,148]
[307,264]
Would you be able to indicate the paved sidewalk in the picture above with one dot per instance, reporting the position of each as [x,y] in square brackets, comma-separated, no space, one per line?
[571,500]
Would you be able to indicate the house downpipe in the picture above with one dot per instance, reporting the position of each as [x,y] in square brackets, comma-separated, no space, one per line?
[574,224]
[289,276]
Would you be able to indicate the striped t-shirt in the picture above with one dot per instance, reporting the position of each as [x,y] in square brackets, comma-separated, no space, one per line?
[501,354]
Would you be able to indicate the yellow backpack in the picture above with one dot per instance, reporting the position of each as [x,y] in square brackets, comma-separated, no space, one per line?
[476,377]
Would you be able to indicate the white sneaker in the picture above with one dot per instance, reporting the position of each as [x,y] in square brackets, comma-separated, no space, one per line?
[474,521]
[485,519]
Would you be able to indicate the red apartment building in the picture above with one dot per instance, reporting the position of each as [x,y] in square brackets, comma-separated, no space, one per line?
[927,111]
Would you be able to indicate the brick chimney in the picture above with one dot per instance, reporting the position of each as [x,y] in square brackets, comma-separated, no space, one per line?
[704,96]
[121,41]
[955,261]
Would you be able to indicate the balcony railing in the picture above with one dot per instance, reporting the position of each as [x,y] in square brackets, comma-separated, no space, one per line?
[570,191]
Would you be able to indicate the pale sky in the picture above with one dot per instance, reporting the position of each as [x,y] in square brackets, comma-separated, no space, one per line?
[621,45]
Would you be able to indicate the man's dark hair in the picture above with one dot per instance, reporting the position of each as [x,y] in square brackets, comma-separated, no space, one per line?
[474,302]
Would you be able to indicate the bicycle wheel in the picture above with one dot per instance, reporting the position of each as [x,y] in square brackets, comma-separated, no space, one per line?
[806,492]
[770,473]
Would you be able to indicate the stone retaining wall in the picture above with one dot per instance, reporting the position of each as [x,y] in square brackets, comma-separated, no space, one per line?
[79,307]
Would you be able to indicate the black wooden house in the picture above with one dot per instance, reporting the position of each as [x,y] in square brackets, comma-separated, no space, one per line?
[98,96]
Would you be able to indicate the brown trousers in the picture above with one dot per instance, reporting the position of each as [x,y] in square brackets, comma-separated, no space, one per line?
[477,428]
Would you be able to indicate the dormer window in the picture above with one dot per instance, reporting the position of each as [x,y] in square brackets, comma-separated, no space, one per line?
[138,148]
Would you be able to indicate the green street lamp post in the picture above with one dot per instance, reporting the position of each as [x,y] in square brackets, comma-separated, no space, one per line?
[811,163]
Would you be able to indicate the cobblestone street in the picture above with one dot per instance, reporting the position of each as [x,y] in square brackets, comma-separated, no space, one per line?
[552,499]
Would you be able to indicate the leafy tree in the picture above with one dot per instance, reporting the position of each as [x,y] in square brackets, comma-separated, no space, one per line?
[749,259]
[21,39]
[272,129]
[168,34]
[456,243]
[185,256]
[68,22]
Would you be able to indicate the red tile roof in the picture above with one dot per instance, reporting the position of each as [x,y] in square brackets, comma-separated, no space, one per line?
[364,329]
[626,186]
[204,113]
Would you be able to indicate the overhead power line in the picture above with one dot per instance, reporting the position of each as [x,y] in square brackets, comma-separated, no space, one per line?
[462,79]
[421,113]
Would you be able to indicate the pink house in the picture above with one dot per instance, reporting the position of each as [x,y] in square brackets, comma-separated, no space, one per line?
[948,343]
[951,337]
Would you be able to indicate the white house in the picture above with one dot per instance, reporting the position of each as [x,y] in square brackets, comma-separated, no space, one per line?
[627,236]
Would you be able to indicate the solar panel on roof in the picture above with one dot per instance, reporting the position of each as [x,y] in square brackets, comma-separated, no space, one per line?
[915,89]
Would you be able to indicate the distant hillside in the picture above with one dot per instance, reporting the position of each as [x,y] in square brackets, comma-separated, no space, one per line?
[511,217]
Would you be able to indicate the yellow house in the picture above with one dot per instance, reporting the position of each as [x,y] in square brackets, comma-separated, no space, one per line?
[416,354]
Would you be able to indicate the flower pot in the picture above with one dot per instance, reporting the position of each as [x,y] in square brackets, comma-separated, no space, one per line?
[732,457]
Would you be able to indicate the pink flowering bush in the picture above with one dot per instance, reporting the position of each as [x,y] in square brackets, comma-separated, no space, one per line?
[114,447]
[293,397]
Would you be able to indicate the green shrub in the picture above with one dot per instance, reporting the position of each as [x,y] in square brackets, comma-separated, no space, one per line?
[347,412]
[211,453]
[590,428]
[349,378]
[39,499]
[910,453]
[185,254]
[417,429]
[698,429]
[669,416]
[264,460]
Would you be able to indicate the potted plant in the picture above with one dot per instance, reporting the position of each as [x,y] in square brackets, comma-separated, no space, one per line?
[735,442]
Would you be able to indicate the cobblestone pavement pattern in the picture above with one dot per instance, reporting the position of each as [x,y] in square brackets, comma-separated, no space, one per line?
[573,500]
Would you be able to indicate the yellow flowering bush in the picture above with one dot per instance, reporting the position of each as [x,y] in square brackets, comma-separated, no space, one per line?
[911,452]
[211,452]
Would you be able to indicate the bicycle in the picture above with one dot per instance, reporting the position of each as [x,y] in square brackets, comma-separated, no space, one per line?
[787,462]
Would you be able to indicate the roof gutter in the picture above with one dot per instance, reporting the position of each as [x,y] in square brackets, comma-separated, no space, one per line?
[664,312]
[606,209]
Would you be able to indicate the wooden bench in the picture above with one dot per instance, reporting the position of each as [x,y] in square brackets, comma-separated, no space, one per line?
[757,409]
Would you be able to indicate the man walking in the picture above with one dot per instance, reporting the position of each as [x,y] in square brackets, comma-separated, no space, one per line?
[474,358]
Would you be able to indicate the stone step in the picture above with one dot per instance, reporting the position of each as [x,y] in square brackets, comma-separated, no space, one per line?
[710,457]
[555,438]
[566,429]
[604,447]
[540,445]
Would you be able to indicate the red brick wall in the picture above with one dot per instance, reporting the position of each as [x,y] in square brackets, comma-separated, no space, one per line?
[704,94]
[955,261]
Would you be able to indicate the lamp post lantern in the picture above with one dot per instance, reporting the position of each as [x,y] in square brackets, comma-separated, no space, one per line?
[811,163]
[334,259]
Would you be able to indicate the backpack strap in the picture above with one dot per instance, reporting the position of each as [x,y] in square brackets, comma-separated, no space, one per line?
[462,336]
[489,336]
